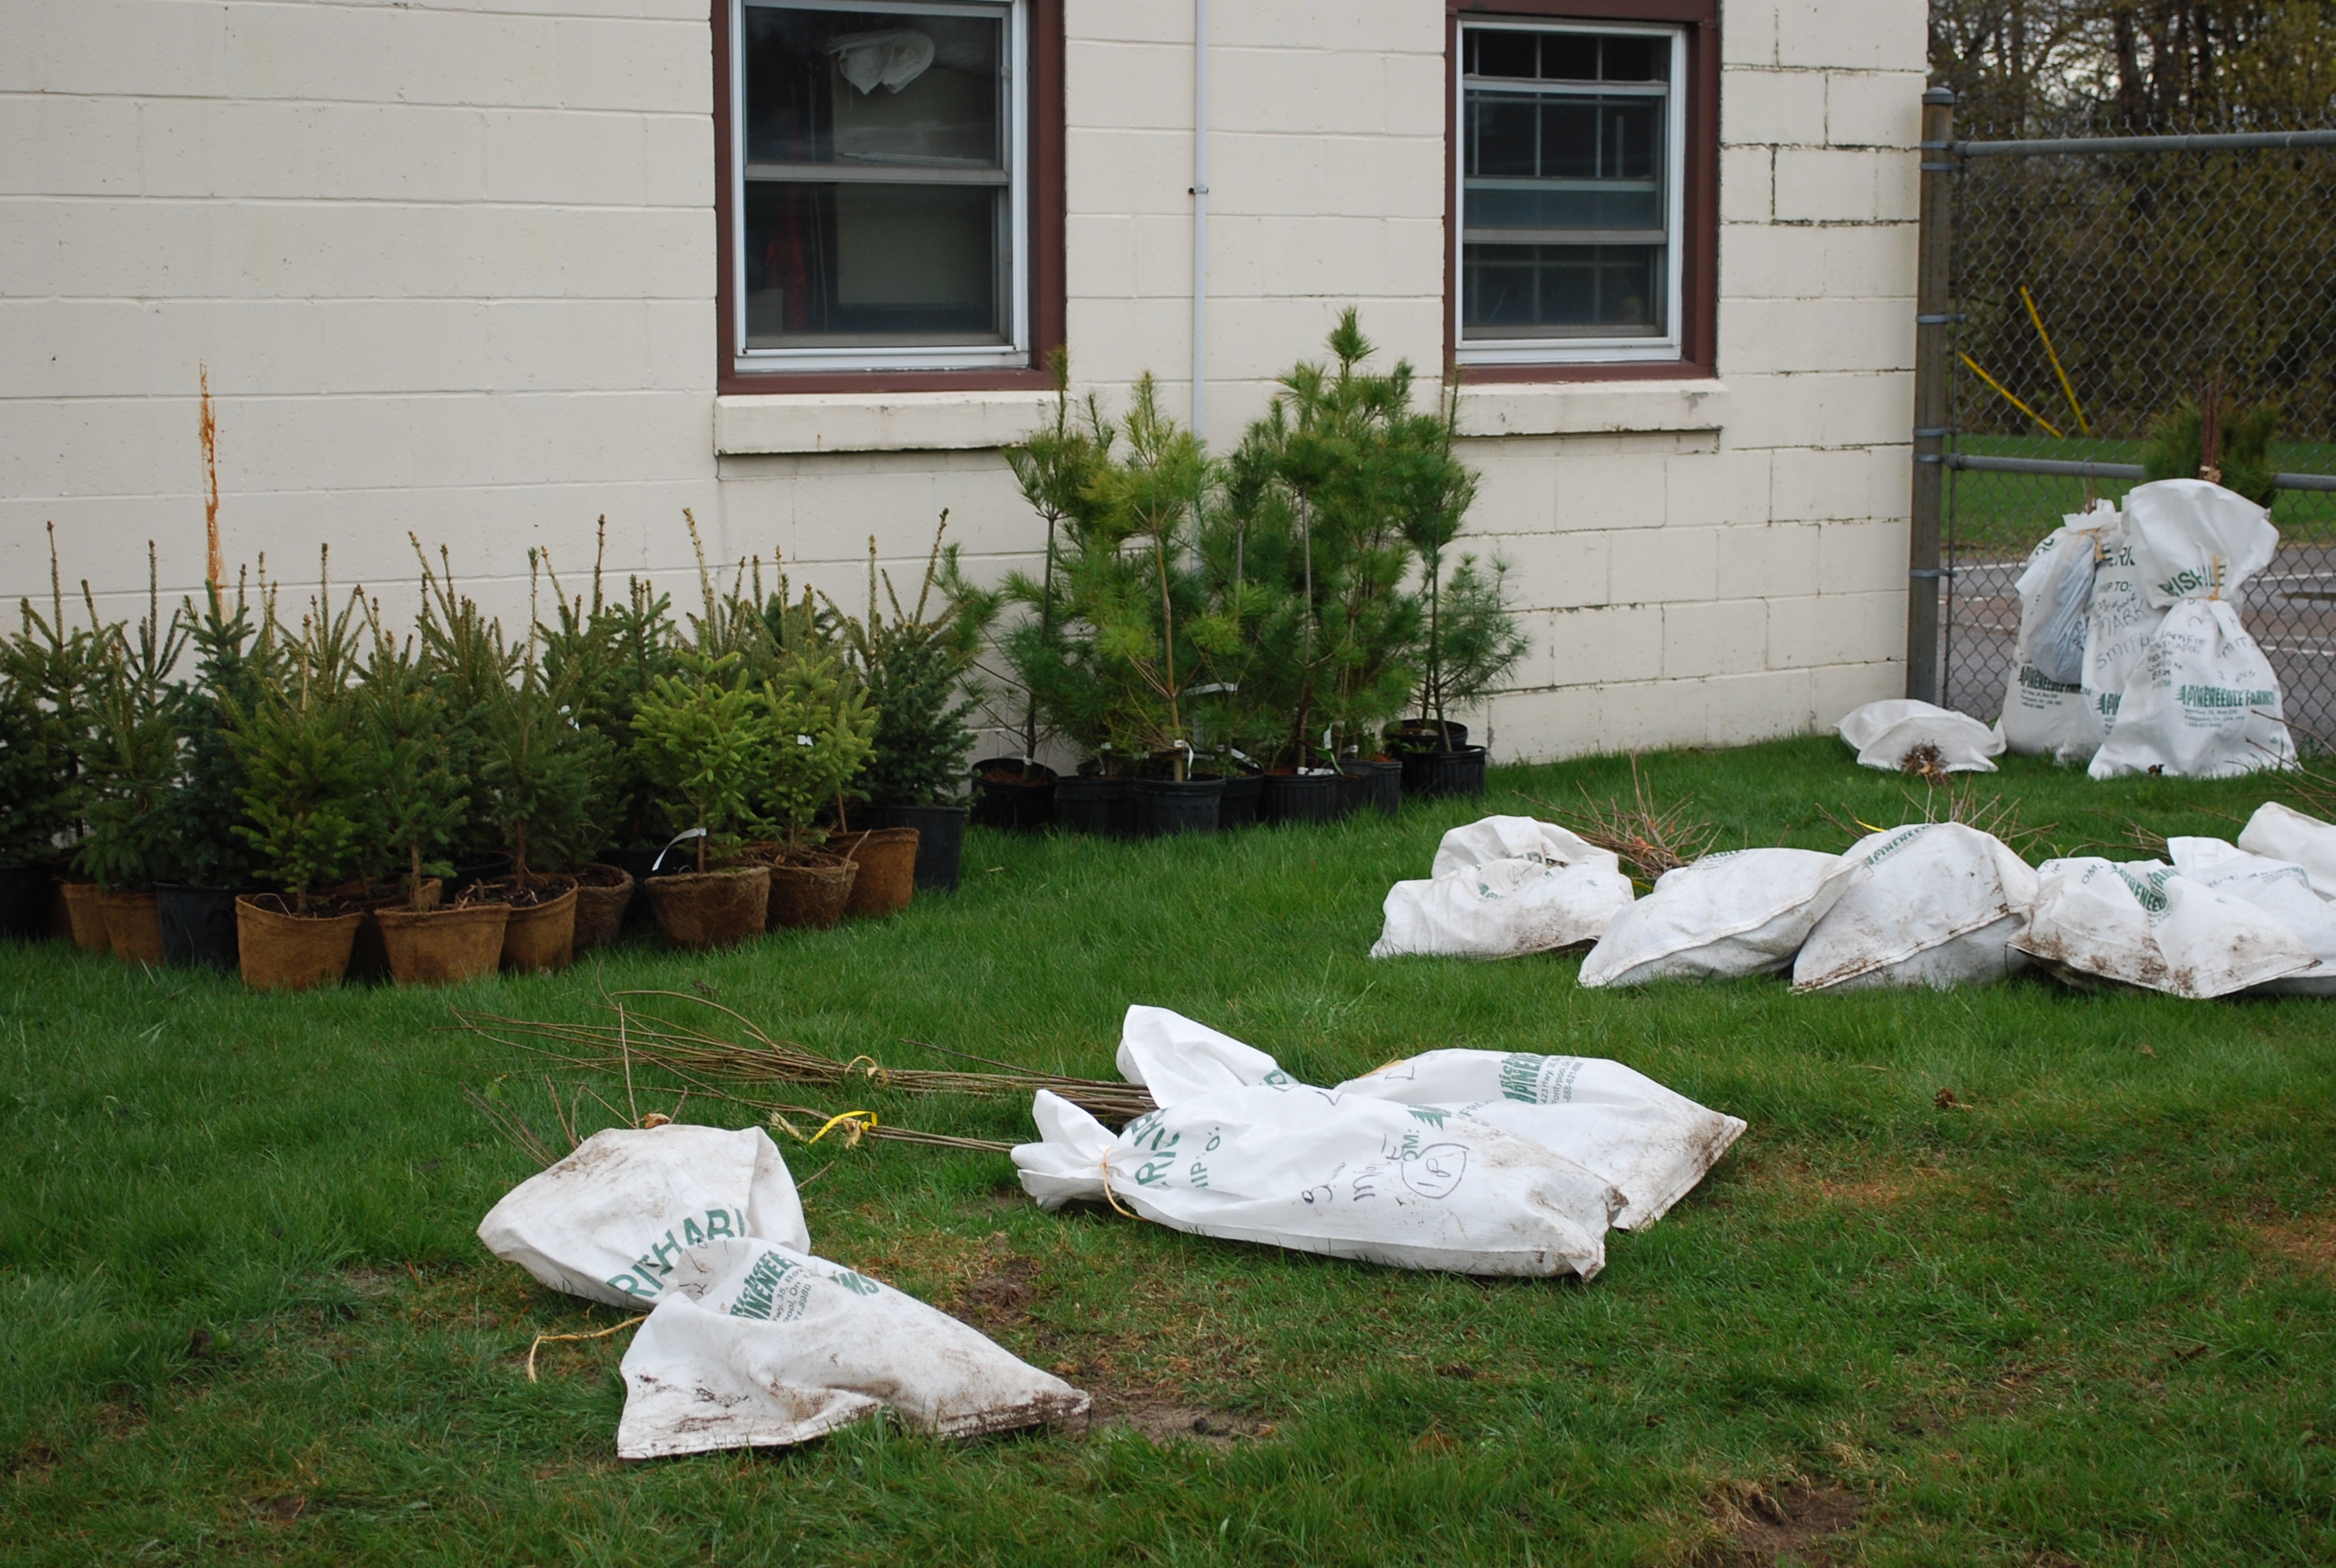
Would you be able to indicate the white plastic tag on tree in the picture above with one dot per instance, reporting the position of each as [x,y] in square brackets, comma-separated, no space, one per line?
[611,1221]
[1938,907]
[2281,889]
[2283,833]
[1900,733]
[1290,1165]
[1742,912]
[757,1345]
[1652,1144]
[2142,924]
[2044,708]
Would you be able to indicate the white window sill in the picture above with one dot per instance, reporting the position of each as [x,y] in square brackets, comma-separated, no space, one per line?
[1592,407]
[794,423]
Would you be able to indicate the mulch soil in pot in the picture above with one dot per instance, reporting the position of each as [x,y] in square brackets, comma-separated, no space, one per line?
[603,893]
[714,908]
[134,926]
[280,950]
[810,889]
[541,932]
[442,947]
[887,859]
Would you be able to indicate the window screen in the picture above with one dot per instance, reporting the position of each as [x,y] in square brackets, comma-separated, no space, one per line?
[1569,174]
[877,206]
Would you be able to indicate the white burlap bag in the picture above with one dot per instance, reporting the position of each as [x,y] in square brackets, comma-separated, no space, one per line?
[2283,833]
[1938,907]
[1900,733]
[2142,924]
[1743,913]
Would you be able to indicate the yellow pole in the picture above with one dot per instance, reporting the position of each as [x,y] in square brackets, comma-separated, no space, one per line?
[2001,391]
[2037,316]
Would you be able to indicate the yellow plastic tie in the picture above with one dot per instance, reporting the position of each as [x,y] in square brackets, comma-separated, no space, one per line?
[1109,1196]
[854,1123]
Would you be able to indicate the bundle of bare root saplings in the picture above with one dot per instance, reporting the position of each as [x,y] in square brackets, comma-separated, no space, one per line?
[1233,642]
[313,796]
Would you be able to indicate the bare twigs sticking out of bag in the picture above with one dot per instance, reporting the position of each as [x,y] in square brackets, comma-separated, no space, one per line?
[1647,838]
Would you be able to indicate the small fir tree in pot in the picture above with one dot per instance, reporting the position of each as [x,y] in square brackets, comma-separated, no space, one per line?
[417,801]
[1472,638]
[913,668]
[605,655]
[822,730]
[705,742]
[305,764]
[133,759]
[53,665]
[35,805]
[237,663]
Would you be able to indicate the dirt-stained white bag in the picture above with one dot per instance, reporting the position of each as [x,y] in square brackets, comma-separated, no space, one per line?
[1501,910]
[1315,1171]
[2283,833]
[1508,838]
[1900,733]
[2044,708]
[2281,889]
[758,1345]
[2116,628]
[2142,924]
[1938,907]
[2202,703]
[1652,1144]
[611,1221]
[1740,913]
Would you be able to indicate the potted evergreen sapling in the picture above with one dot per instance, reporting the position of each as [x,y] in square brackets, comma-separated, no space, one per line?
[820,729]
[472,665]
[53,665]
[416,807]
[35,805]
[306,780]
[704,740]
[1472,638]
[130,774]
[913,667]
[236,661]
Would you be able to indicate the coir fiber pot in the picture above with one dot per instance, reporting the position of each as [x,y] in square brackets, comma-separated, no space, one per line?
[810,889]
[368,958]
[278,950]
[1304,797]
[940,841]
[1167,807]
[887,859]
[442,947]
[1013,794]
[24,903]
[715,908]
[86,915]
[471,873]
[603,893]
[1103,806]
[133,927]
[1237,807]
[542,934]
[198,924]
[1376,783]
[1444,773]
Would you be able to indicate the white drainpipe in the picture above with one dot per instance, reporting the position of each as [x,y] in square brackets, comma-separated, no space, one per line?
[1199,216]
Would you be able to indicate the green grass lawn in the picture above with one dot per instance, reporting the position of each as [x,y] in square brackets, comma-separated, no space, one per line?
[2083,1314]
[2002,516]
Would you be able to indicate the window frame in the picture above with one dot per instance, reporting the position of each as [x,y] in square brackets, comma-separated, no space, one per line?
[1689,351]
[1038,299]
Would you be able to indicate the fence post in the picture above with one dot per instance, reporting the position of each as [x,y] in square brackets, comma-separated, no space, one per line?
[1933,336]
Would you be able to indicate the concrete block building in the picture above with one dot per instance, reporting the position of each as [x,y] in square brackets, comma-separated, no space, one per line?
[485,273]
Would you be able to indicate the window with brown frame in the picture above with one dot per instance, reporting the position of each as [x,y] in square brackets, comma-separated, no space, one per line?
[1582,211]
[890,185]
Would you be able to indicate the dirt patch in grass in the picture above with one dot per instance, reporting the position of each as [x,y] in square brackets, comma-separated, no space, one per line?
[2309,1240]
[1878,1186]
[1164,1419]
[1795,1524]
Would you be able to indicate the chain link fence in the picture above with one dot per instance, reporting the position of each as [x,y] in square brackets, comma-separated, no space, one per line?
[2095,282]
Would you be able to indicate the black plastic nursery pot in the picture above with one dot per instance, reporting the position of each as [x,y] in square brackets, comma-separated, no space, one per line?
[1105,806]
[1373,784]
[1167,807]
[1011,793]
[1305,797]
[941,840]
[1238,806]
[198,924]
[1413,734]
[1444,773]
[24,903]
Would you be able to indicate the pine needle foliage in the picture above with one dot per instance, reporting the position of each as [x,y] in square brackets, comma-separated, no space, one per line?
[237,662]
[133,762]
[418,803]
[914,666]
[2176,448]
[705,740]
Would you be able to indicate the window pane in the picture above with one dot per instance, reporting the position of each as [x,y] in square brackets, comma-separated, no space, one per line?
[1569,57]
[1634,59]
[1501,134]
[1562,290]
[1496,53]
[872,87]
[834,263]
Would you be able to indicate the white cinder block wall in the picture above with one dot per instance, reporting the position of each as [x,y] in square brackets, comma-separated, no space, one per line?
[451,270]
